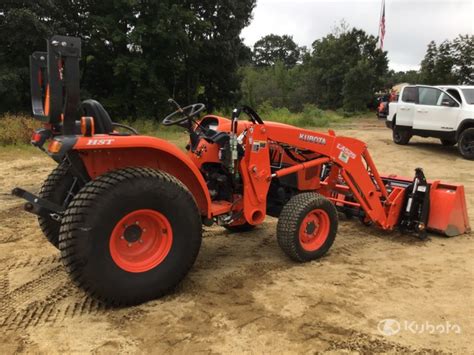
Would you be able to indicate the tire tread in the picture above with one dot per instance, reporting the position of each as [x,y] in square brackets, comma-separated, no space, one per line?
[84,202]
[289,223]
[48,226]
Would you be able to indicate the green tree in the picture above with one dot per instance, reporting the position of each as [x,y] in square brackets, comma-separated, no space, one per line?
[272,48]
[358,89]
[277,86]
[338,57]
[393,78]
[136,53]
[15,23]
[443,71]
[428,64]
[463,49]
[449,63]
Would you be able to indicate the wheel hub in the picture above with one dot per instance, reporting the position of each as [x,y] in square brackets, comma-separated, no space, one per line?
[141,240]
[132,233]
[310,228]
[314,230]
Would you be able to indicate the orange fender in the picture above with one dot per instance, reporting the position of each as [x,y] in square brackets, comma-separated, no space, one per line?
[103,153]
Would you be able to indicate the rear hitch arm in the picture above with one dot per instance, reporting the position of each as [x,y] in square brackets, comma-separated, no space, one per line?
[38,205]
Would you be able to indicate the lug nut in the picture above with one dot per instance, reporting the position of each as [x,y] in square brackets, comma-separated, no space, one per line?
[129,245]
[141,241]
[122,237]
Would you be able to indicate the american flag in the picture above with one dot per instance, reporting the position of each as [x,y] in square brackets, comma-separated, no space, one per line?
[382,25]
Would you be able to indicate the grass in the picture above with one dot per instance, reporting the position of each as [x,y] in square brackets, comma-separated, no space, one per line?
[173,134]
[16,129]
[310,117]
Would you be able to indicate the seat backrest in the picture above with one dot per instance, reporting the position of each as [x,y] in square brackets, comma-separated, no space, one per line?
[102,121]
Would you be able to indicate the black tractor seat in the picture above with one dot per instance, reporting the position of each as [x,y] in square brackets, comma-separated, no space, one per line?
[102,122]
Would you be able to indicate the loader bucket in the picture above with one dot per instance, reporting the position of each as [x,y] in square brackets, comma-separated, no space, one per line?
[448,211]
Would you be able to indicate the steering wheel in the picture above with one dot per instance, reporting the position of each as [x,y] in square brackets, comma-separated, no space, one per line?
[182,114]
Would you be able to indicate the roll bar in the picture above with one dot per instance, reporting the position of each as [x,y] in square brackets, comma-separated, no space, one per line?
[54,77]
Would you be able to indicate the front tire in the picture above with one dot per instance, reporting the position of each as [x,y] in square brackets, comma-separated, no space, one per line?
[307,227]
[401,136]
[130,236]
[466,144]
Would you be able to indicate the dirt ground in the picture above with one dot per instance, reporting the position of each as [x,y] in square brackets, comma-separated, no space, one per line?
[243,295]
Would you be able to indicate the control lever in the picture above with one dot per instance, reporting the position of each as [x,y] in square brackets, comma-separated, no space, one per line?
[235,119]
[233,140]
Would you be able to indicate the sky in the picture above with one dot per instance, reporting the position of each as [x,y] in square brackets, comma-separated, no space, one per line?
[410,24]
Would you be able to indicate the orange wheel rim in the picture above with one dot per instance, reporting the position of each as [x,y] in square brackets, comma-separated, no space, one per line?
[314,230]
[141,240]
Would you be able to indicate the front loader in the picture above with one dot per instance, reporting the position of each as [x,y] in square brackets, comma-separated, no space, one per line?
[126,210]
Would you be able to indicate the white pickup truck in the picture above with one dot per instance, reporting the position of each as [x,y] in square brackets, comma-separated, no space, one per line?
[444,112]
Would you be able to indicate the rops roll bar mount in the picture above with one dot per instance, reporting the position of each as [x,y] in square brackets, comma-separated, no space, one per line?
[55,78]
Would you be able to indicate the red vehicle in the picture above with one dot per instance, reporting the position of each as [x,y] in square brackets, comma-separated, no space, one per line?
[382,105]
[126,210]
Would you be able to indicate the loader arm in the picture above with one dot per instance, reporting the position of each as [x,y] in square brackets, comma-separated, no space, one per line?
[415,205]
[352,161]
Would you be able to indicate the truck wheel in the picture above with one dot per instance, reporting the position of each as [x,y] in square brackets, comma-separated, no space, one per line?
[130,236]
[466,144]
[307,227]
[59,183]
[447,142]
[400,136]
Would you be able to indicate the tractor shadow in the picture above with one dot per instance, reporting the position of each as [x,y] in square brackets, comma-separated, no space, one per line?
[352,228]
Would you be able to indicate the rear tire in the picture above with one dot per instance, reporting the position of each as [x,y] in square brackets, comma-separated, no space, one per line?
[447,142]
[307,227]
[130,236]
[401,136]
[55,189]
[466,144]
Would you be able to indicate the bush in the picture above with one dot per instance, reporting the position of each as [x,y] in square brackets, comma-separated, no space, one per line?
[312,116]
[16,130]
[150,127]
[265,108]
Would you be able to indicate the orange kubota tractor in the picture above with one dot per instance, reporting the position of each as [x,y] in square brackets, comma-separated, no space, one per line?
[126,210]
